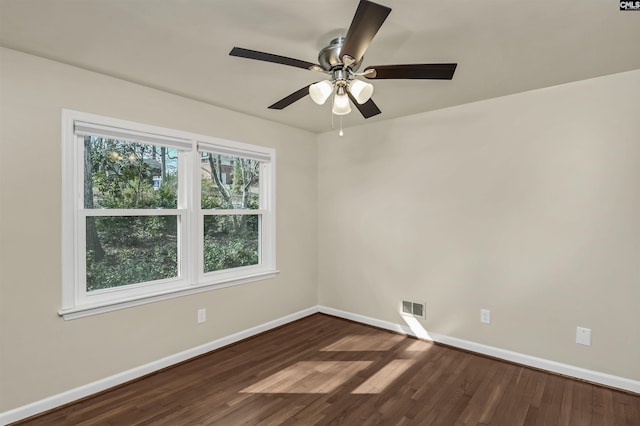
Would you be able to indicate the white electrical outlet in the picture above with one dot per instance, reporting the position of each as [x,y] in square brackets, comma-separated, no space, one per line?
[583,336]
[202,315]
[485,316]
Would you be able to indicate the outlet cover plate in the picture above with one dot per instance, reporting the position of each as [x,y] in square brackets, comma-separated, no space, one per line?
[485,316]
[583,336]
[202,315]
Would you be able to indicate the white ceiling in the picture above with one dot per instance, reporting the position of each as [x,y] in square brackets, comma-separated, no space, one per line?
[182,46]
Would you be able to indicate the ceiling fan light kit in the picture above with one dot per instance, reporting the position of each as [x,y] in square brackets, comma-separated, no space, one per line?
[341,102]
[342,58]
[361,91]
[321,91]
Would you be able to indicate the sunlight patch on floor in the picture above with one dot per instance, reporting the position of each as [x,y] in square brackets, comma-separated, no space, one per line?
[384,377]
[365,343]
[417,328]
[419,346]
[309,377]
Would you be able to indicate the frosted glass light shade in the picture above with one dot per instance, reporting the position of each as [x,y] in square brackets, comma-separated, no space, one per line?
[320,91]
[361,91]
[341,104]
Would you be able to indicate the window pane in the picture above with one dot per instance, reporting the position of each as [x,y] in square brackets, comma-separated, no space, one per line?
[230,241]
[130,249]
[229,182]
[129,175]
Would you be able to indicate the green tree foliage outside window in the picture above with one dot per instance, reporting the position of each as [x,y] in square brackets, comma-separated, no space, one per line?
[124,250]
[230,241]
[129,249]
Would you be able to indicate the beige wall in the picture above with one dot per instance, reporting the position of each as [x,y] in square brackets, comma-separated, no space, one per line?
[43,355]
[527,205]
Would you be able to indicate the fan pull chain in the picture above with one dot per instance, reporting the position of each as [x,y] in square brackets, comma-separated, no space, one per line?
[340,133]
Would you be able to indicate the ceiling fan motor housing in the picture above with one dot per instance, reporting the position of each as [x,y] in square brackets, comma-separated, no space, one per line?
[329,57]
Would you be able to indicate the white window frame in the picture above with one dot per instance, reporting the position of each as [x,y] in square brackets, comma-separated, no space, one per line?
[76,301]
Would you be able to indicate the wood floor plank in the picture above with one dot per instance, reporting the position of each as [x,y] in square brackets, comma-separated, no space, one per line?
[517,400]
[323,370]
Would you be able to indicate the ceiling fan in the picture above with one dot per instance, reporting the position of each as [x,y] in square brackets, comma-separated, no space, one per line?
[341,61]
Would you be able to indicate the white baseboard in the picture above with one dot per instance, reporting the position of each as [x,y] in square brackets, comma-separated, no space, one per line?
[126,376]
[519,358]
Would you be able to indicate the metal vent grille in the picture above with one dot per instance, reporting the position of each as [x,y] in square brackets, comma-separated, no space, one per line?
[418,309]
[415,309]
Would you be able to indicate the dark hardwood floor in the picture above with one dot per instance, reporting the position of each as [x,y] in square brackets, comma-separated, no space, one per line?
[322,370]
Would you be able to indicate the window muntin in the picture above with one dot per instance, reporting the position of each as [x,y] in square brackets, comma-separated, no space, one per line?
[144,198]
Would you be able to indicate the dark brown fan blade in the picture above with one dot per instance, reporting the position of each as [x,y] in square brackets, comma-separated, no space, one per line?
[366,22]
[413,71]
[367,109]
[269,57]
[295,96]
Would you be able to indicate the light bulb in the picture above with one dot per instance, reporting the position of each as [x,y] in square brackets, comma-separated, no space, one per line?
[341,104]
[361,91]
[320,91]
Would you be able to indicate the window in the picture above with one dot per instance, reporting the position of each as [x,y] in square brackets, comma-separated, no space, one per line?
[235,210]
[152,213]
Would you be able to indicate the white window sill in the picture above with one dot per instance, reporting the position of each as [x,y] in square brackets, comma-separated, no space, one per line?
[85,311]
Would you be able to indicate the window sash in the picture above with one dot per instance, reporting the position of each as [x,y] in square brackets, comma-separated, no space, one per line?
[129,291]
[134,289]
[266,224]
[261,263]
